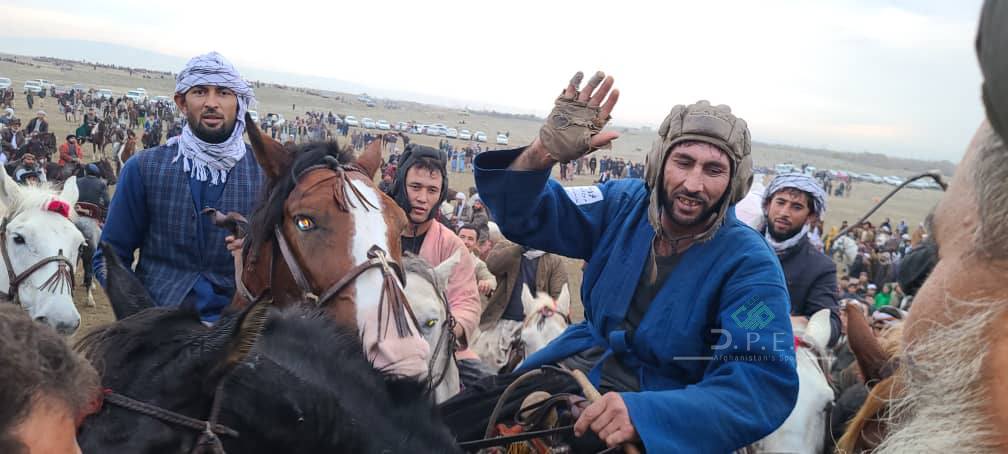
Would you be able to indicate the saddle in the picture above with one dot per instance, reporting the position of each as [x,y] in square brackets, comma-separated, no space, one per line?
[91,210]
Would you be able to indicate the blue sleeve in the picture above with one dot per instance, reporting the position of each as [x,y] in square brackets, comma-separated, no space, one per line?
[126,224]
[533,210]
[750,385]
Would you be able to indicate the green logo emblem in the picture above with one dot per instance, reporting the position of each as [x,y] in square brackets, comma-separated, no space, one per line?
[753,315]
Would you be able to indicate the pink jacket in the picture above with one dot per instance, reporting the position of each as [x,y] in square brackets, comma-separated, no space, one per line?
[463,296]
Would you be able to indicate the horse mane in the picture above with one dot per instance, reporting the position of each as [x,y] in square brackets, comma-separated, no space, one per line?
[270,210]
[32,196]
[414,264]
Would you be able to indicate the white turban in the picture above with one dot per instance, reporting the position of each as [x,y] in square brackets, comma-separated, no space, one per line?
[201,159]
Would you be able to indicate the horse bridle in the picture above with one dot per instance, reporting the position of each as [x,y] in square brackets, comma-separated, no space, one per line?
[64,271]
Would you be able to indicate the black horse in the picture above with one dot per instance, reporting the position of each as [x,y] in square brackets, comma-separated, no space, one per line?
[287,381]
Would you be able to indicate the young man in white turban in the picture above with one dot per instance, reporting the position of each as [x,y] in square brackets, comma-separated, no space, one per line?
[161,192]
[792,204]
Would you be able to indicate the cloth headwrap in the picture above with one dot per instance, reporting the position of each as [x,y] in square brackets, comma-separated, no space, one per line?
[992,52]
[204,160]
[802,183]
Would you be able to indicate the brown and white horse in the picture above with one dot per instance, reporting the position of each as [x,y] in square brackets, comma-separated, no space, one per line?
[325,233]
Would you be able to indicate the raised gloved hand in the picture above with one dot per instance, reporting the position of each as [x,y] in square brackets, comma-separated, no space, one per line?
[574,127]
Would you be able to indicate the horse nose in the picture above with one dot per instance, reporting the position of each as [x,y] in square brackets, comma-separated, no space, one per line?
[67,328]
[42,319]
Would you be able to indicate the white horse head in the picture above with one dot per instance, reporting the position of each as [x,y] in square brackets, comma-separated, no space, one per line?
[805,428]
[425,289]
[545,318]
[38,228]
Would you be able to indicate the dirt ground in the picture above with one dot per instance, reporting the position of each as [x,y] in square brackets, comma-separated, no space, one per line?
[911,205]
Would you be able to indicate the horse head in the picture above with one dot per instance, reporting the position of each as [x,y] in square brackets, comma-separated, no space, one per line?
[427,296]
[326,234]
[545,318]
[40,245]
[267,380]
[805,428]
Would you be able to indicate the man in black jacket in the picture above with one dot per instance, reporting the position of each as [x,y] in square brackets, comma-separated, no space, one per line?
[791,204]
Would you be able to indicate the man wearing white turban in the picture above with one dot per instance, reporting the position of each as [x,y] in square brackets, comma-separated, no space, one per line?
[161,192]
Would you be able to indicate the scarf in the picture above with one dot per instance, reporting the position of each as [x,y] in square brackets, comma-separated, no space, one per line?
[779,247]
[211,161]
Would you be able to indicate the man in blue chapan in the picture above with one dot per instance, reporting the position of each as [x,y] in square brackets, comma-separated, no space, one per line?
[687,329]
[161,192]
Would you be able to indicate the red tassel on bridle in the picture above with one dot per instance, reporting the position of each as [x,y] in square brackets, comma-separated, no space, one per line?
[58,206]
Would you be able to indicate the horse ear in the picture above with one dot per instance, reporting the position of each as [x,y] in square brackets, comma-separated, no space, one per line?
[819,328]
[250,325]
[126,293]
[70,192]
[528,301]
[563,301]
[10,192]
[867,350]
[444,270]
[270,154]
[371,159]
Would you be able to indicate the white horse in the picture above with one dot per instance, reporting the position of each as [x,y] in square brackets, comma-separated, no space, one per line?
[40,245]
[843,251]
[545,318]
[805,428]
[425,289]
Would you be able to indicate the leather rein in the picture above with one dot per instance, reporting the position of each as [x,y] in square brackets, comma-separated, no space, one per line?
[62,278]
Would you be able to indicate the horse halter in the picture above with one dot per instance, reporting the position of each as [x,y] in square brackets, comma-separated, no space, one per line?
[393,299]
[62,277]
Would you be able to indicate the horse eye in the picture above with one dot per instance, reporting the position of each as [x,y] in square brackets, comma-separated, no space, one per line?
[430,323]
[18,239]
[304,223]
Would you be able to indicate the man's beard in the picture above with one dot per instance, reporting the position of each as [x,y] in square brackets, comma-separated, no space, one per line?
[785,235]
[706,209]
[945,400]
[208,135]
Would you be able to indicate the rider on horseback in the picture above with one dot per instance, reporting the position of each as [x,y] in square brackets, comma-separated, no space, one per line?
[156,208]
[686,308]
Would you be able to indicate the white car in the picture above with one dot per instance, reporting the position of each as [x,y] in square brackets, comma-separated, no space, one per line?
[137,95]
[46,84]
[254,115]
[105,93]
[351,120]
[164,100]
[451,133]
[872,178]
[465,135]
[383,125]
[480,136]
[367,123]
[433,130]
[893,180]
[4,83]
[33,86]
[502,139]
[402,126]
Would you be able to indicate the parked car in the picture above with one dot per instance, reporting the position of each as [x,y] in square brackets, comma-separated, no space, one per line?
[164,100]
[480,136]
[138,95]
[4,83]
[402,126]
[46,84]
[418,128]
[893,180]
[367,123]
[105,93]
[502,139]
[370,103]
[464,135]
[871,177]
[79,87]
[351,120]
[434,130]
[451,133]
[383,125]
[33,86]
[254,115]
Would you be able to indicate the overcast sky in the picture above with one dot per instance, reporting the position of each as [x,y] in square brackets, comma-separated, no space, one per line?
[896,77]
